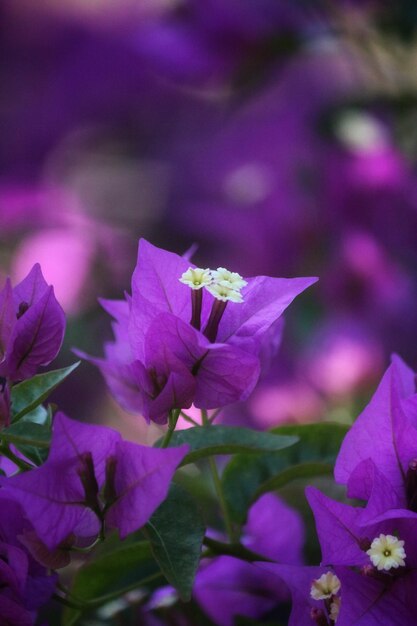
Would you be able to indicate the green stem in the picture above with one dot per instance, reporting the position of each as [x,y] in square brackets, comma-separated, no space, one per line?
[189,419]
[67,602]
[213,417]
[84,605]
[115,594]
[67,593]
[172,422]
[204,418]
[206,422]
[222,501]
[21,464]
[217,548]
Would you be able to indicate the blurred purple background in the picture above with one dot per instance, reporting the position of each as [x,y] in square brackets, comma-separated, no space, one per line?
[279,136]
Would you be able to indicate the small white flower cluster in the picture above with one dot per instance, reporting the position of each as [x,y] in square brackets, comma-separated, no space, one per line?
[325,588]
[221,283]
[387,552]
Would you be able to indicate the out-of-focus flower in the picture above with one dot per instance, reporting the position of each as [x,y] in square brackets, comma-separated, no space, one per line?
[227,587]
[366,279]
[205,43]
[252,177]
[68,243]
[176,346]
[66,257]
[342,357]
[32,325]
[284,402]
[369,181]
[25,584]
[92,475]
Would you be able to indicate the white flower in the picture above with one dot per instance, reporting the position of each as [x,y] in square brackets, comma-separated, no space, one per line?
[196,278]
[387,552]
[325,587]
[224,277]
[226,294]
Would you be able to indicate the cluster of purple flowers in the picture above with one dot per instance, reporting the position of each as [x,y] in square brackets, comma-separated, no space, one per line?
[195,336]
[368,574]
[186,335]
[276,150]
[92,481]
[109,483]
[176,346]
[227,587]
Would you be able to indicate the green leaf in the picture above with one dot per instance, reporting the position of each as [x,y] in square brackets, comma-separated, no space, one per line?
[109,575]
[210,440]
[176,533]
[38,456]
[246,477]
[40,415]
[27,395]
[27,433]
[303,470]
[71,617]
[30,438]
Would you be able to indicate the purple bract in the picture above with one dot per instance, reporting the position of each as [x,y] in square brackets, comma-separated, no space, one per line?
[32,325]
[175,346]
[92,479]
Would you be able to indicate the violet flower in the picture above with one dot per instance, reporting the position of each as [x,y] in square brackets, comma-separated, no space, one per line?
[189,335]
[377,459]
[227,587]
[32,325]
[25,584]
[92,480]
[380,562]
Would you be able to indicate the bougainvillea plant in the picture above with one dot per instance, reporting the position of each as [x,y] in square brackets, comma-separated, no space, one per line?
[96,529]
